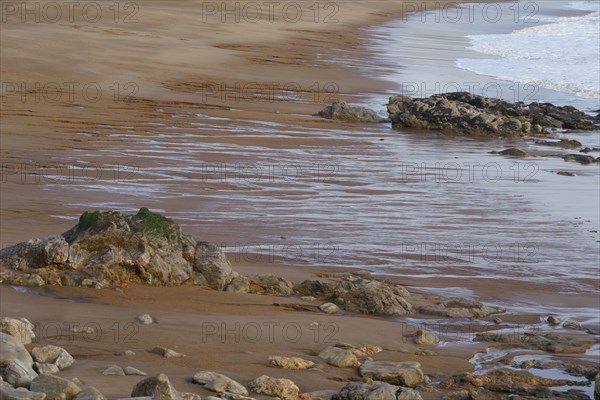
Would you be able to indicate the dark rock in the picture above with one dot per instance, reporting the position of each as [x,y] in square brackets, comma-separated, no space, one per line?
[513,152]
[342,111]
[466,113]
[564,143]
[565,173]
[581,158]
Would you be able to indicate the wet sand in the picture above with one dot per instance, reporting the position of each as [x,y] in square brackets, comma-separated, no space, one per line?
[251,168]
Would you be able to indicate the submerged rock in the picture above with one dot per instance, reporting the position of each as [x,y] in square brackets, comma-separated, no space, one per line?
[513,152]
[564,143]
[342,111]
[470,114]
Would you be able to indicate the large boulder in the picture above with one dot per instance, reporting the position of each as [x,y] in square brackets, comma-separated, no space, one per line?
[376,390]
[12,349]
[114,249]
[283,388]
[342,111]
[470,114]
[56,388]
[360,295]
[407,373]
[20,329]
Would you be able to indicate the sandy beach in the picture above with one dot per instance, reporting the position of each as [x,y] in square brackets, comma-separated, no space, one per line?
[208,117]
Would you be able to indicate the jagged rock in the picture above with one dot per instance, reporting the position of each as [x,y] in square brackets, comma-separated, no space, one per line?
[552,320]
[290,362]
[572,324]
[459,307]
[20,329]
[56,388]
[219,383]
[167,353]
[549,342]
[271,285]
[339,357]
[283,388]
[158,387]
[469,114]
[90,394]
[581,158]
[329,308]
[9,393]
[133,371]
[113,370]
[407,373]
[376,390]
[113,249]
[362,350]
[53,355]
[342,111]
[145,319]
[12,349]
[360,295]
[19,374]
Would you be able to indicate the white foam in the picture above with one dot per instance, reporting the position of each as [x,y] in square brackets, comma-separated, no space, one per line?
[562,55]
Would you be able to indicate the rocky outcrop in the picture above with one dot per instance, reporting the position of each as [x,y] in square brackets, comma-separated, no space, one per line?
[407,373]
[470,114]
[113,249]
[376,390]
[360,295]
[283,388]
[458,307]
[342,111]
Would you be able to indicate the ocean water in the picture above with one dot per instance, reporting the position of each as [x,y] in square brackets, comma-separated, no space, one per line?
[557,53]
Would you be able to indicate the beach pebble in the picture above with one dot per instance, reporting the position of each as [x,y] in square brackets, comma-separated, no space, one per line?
[339,357]
[219,383]
[329,308]
[145,319]
[113,370]
[125,353]
[572,324]
[552,320]
[283,388]
[133,371]
[294,363]
[167,353]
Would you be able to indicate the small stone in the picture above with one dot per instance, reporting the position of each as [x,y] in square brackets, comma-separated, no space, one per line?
[497,320]
[308,298]
[339,357]
[552,320]
[133,371]
[113,370]
[127,353]
[329,308]
[283,388]
[219,383]
[84,329]
[572,324]
[167,353]
[145,319]
[426,338]
[294,363]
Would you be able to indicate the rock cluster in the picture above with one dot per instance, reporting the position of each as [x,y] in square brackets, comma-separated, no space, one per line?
[470,114]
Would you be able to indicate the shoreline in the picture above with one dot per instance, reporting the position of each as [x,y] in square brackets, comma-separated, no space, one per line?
[179,96]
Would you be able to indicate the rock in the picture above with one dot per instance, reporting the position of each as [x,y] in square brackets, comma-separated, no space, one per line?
[239,284]
[9,393]
[158,387]
[572,324]
[581,158]
[283,388]
[113,370]
[342,111]
[360,295]
[565,173]
[145,319]
[271,285]
[407,373]
[376,391]
[290,362]
[127,353]
[113,249]
[133,371]
[513,152]
[20,329]
[597,389]
[339,357]
[329,308]
[320,395]
[564,143]
[12,349]
[426,338]
[53,355]
[469,114]
[167,353]
[90,394]
[56,388]
[211,262]
[308,298]
[552,320]
[219,383]
[19,374]
[362,350]
[459,307]
[46,369]
[549,342]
